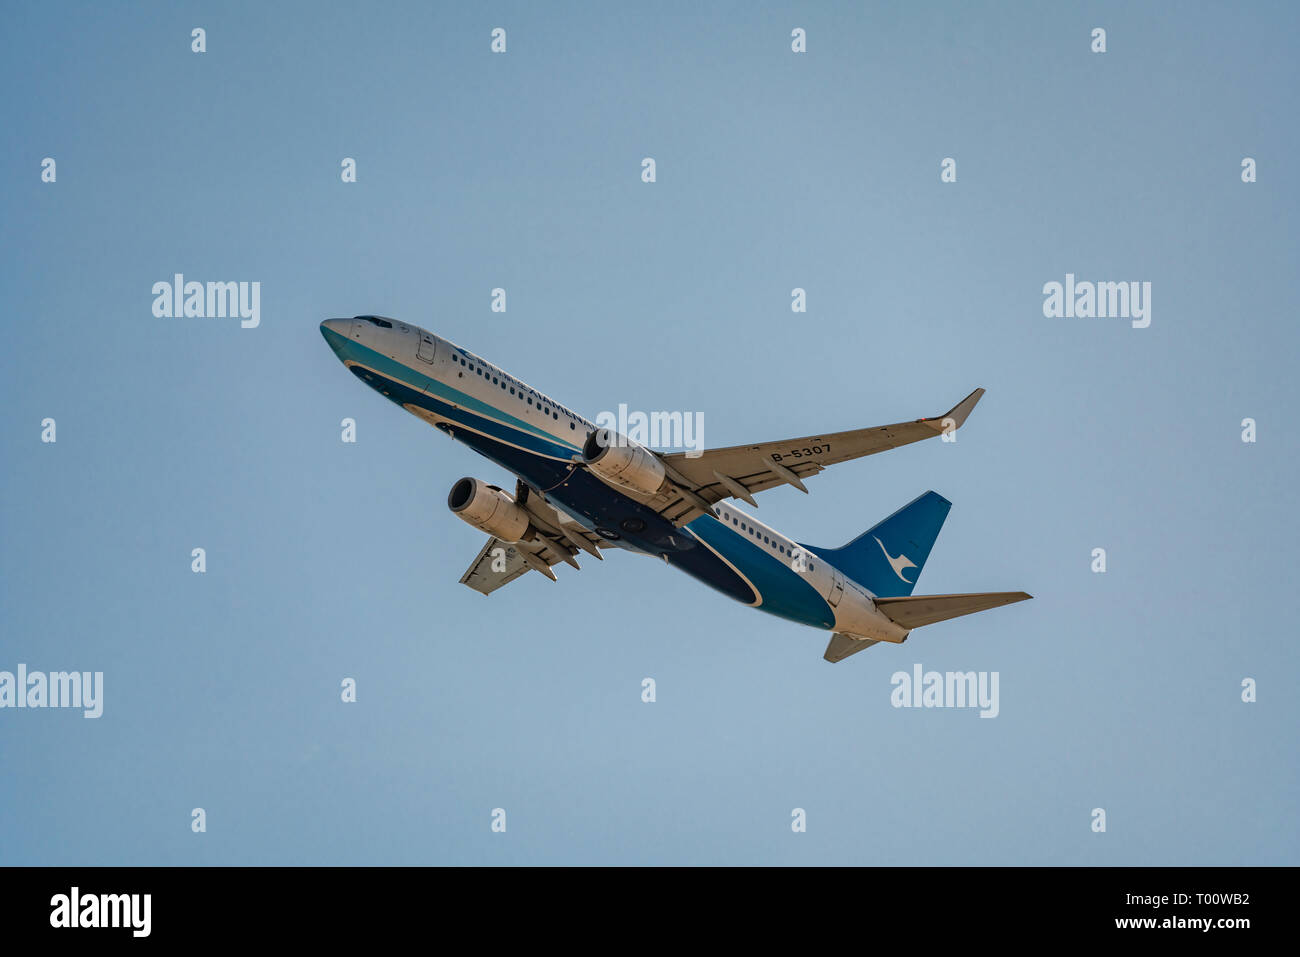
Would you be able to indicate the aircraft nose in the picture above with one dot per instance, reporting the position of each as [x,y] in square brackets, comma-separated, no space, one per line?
[336,333]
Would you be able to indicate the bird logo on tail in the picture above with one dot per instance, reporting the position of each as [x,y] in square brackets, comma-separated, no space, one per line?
[897,564]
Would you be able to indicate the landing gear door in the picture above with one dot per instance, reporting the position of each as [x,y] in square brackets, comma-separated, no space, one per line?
[425,349]
[837,588]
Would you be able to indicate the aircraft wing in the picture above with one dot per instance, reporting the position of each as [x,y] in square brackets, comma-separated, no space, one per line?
[742,470]
[557,539]
[481,576]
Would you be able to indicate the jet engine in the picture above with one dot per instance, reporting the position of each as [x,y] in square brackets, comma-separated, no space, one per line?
[490,510]
[622,462]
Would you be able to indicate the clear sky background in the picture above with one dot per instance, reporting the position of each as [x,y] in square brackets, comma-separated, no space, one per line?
[775,170]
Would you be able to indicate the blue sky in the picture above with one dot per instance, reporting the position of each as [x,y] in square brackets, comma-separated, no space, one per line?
[775,170]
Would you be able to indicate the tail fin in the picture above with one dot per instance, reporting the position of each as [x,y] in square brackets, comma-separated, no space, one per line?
[887,558]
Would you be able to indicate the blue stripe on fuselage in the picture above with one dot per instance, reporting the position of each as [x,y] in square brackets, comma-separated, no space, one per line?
[785,592]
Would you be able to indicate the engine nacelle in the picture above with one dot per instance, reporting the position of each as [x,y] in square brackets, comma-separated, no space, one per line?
[489,510]
[621,461]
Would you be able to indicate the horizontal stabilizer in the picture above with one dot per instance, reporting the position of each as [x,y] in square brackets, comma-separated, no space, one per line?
[842,646]
[917,610]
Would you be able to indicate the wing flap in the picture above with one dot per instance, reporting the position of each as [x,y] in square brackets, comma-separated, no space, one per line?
[552,522]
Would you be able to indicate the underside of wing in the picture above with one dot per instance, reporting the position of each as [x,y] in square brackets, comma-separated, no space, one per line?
[743,470]
[554,538]
[499,563]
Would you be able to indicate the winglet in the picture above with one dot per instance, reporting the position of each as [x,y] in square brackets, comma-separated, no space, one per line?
[957,414]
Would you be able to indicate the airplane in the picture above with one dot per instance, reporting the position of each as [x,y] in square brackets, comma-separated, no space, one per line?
[580,488]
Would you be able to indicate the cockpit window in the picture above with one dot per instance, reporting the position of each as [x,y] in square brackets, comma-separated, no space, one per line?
[376,320]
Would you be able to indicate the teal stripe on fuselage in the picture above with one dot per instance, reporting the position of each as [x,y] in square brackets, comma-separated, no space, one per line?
[350,350]
[785,592]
